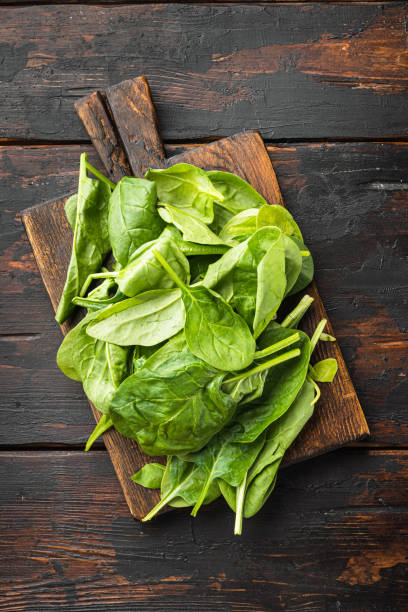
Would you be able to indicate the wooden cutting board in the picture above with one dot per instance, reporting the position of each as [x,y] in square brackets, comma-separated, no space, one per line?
[122,125]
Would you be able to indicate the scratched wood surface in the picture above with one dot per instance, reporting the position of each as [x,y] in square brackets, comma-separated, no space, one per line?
[290,71]
[334,534]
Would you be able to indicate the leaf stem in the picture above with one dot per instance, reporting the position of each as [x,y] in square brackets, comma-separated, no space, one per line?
[201,499]
[104,423]
[160,505]
[274,348]
[240,506]
[265,366]
[170,270]
[91,277]
[316,334]
[99,175]
[317,389]
[327,337]
[293,318]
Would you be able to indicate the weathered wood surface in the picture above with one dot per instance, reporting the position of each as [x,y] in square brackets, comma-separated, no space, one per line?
[333,536]
[359,245]
[213,69]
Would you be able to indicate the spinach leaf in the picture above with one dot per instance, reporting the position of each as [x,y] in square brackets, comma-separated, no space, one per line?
[274,214]
[71,210]
[293,263]
[324,371]
[282,385]
[241,226]
[102,425]
[188,188]
[181,485]
[133,218]
[174,408]
[147,319]
[100,366]
[91,239]
[307,270]
[255,271]
[214,332]
[150,475]
[280,435]
[238,194]
[144,273]
[193,229]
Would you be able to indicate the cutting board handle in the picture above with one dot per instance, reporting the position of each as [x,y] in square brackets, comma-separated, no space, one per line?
[130,143]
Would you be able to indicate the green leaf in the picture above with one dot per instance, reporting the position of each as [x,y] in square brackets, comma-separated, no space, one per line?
[150,475]
[133,218]
[214,332]
[274,214]
[187,188]
[71,210]
[144,273]
[193,229]
[173,404]
[147,319]
[293,263]
[307,270]
[102,425]
[252,275]
[91,239]
[241,226]
[325,370]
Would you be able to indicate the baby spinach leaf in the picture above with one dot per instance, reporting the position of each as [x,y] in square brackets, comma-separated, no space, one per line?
[143,272]
[274,214]
[188,188]
[293,263]
[280,435]
[193,229]
[71,210]
[255,270]
[150,475]
[325,370]
[172,410]
[214,332]
[238,194]
[91,239]
[133,218]
[282,385]
[102,425]
[147,319]
[241,226]
[307,270]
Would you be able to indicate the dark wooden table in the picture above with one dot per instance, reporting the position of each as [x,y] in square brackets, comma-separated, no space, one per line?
[326,85]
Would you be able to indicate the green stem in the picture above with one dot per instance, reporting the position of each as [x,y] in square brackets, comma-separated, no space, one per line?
[316,335]
[189,248]
[317,389]
[293,318]
[305,253]
[274,348]
[239,512]
[102,425]
[170,271]
[160,505]
[91,277]
[99,175]
[265,366]
[201,499]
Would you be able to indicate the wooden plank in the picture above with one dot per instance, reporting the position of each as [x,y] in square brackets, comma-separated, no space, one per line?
[332,536]
[358,243]
[294,71]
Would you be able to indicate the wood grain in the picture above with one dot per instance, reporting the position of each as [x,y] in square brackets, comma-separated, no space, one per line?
[332,536]
[351,202]
[291,71]
[339,420]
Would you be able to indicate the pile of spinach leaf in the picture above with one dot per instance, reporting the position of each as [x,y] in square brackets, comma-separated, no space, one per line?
[183,347]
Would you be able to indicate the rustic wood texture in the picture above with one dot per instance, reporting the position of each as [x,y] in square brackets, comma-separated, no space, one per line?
[293,71]
[339,419]
[95,114]
[333,537]
[359,244]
